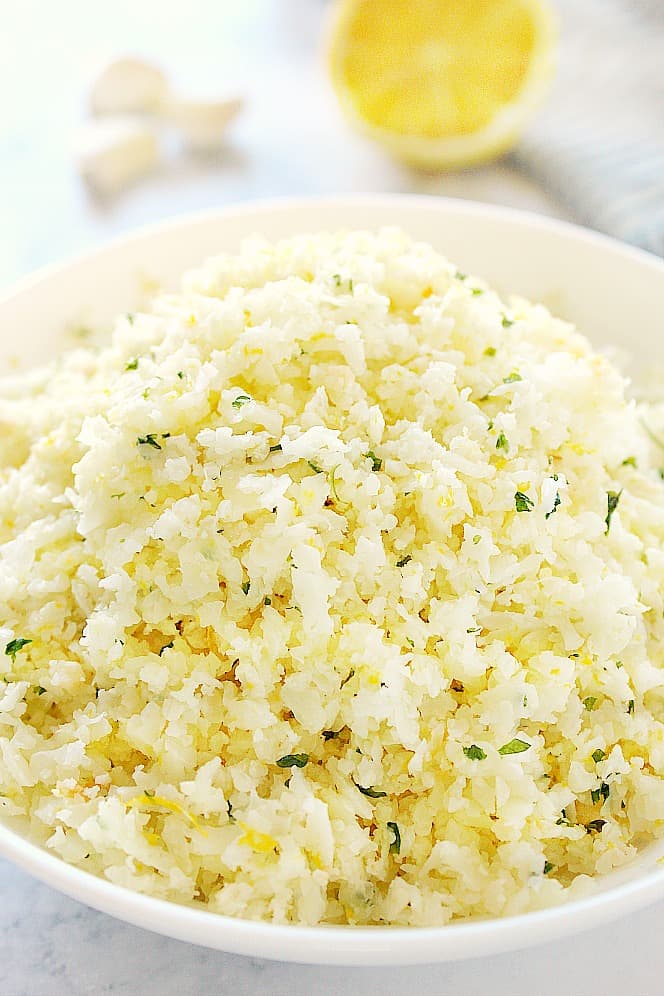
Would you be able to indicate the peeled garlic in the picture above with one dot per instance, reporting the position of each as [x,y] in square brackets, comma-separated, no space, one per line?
[129,86]
[115,152]
[202,123]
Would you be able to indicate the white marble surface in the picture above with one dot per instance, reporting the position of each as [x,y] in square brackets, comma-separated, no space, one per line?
[291,140]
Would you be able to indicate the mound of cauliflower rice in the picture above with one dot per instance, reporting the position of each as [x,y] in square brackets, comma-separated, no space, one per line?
[331,591]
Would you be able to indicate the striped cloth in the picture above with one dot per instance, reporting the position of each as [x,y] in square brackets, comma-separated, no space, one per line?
[598,144]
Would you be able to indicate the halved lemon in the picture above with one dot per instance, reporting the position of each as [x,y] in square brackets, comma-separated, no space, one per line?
[442,83]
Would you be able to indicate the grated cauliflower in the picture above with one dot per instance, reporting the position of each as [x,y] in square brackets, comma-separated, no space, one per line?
[332,591]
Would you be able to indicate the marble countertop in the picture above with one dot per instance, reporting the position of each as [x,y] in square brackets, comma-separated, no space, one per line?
[291,140]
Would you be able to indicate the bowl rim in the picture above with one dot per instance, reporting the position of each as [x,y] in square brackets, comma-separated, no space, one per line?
[323,944]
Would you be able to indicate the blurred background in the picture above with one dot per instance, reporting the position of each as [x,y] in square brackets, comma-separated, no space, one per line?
[592,153]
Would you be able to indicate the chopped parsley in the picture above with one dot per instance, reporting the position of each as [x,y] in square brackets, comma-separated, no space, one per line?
[181,374]
[130,317]
[512,378]
[502,443]
[490,351]
[276,448]
[372,793]
[629,462]
[477,539]
[474,753]
[229,810]
[515,746]
[14,646]
[333,483]
[404,560]
[460,276]
[395,845]
[601,793]
[119,494]
[242,399]
[314,466]
[246,585]
[598,755]
[167,646]
[523,502]
[476,291]
[590,702]
[132,364]
[41,690]
[376,462]
[630,707]
[612,499]
[507,322]
[548,867]
[267,600]
[293,761]
[149,440]
[474,629]
[556,505]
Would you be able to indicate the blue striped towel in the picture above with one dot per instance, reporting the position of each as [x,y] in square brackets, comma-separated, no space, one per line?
[598,144]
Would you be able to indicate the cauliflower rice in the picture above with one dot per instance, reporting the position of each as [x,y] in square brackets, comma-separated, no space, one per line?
[332,591]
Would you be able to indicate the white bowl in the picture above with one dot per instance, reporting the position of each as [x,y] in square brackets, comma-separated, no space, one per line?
[615,294]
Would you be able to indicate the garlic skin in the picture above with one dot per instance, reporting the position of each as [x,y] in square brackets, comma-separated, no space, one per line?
[115,152]
[129,86]
[202,123]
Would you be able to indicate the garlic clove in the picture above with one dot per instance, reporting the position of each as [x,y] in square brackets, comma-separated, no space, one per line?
[202,123]
[129,85]
[115,152]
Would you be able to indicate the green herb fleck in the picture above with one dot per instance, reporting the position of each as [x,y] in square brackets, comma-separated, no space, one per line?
[490,351]
[474,753]
[630,707]
[548,867]
[411,643]
[150,793]
[132,364]
[181,374]
[461,276]
[598,755]
[267,600]
[276,448]
[314,466]
[242,399]
[512,378]
[556,505]
[507,322]
[41,690]
[376,462]
[119,494]
[404,560]
[229,810]
[612,499]
[523,502]
[629,462]
[590,702]
[14,646]
[333,483]
[167,646]
[601,793]
[515,746]
[476,291]
[246,585]
[395,846]
[330,735]
[130,317]
[372,793]
[474,629]
[502,443]
[293,761]
[477,539]
[149,440]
